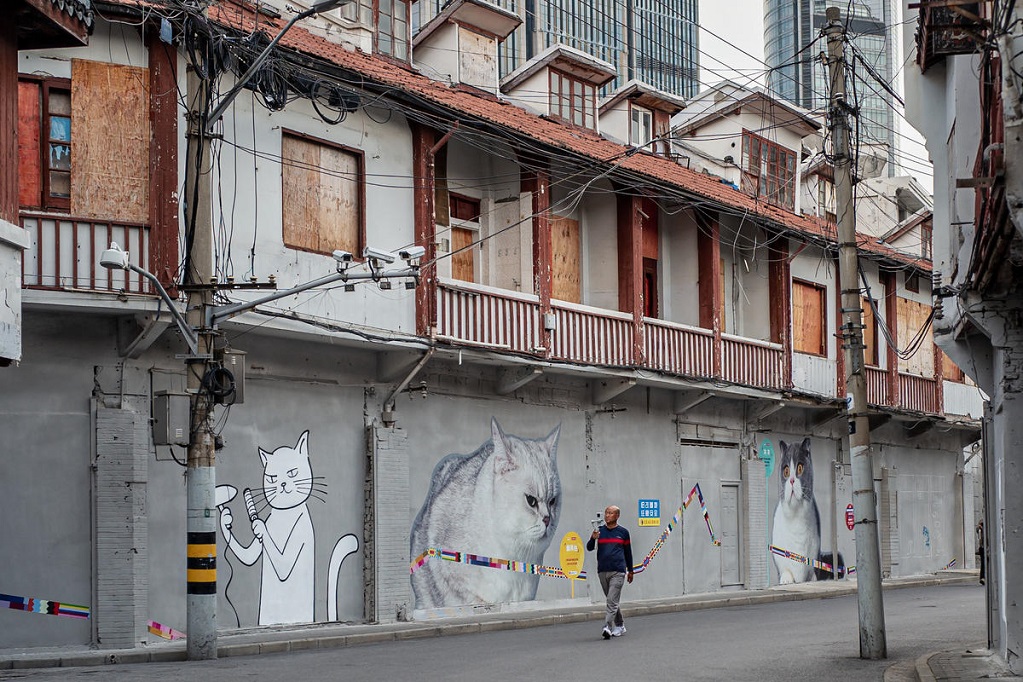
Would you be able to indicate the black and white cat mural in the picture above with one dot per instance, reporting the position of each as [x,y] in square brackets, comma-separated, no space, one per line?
[283,536]
[502,501]
[796,532]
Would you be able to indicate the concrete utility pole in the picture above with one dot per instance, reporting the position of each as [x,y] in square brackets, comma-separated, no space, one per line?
[873,644]
[201,474]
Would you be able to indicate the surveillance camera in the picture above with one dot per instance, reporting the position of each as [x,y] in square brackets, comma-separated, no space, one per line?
[378,255]
[343,256]
[114,257]
[412,253]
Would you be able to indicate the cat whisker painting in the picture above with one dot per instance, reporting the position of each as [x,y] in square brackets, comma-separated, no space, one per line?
[503,500]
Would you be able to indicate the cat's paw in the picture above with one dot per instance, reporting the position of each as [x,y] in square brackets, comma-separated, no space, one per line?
[259,529]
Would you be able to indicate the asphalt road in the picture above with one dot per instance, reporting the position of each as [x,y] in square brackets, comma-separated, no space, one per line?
[803,640]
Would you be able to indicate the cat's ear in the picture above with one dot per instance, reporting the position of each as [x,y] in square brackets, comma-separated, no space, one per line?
[552,441]
[302,446]
[263,454]
[805,445]
[502,455]
[783,446]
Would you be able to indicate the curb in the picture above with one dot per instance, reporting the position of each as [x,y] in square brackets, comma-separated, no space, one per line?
[333,636]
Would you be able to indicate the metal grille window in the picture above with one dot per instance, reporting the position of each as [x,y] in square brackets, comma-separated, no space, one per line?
[572,100]
[768,170]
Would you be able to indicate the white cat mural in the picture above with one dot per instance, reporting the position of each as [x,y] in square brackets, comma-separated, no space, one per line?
[501,501]
[285,539]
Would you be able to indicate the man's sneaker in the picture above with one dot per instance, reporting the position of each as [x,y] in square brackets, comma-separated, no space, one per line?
[618,631]
[605,633]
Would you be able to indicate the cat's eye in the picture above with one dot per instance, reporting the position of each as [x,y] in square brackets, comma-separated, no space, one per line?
[271,478]
[553,501]
[799,470]
[785,472]
[292,473]
[531,501]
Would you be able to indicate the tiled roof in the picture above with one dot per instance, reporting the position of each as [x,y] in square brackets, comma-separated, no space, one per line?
[656,171]
[76,9]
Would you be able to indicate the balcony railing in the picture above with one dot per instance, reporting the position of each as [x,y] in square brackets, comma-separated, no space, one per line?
[592,335]
[678,349]
[489,317]
[877,386]
[64,253]
[918,393]
[751,362]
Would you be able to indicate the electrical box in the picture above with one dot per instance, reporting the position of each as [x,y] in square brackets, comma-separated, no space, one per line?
[170,418]
[234,362]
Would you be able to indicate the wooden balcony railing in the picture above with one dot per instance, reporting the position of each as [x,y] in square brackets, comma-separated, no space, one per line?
[678,349]
[918,393]
[488,317]
[877,386]
[592,335]
[64,253]
[751,362]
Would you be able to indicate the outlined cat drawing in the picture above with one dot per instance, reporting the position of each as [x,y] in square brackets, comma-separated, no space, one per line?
[286,540]
[797,520]
[501,501]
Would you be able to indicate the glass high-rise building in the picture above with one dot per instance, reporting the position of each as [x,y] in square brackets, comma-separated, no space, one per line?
[655,41]
[800,76]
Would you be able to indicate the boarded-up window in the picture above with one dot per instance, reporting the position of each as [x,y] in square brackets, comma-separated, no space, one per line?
[463,258]
[477,59]
[109,141]
[322,186]
[809,319]
[913,317]
[869,334]
[950,370]
[464,208]
[567,282]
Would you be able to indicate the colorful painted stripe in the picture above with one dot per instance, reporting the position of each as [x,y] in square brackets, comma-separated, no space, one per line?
[164,631]
[46,607]
[552,572]
[800,559]
[675,520]
[202,563]
[951,564]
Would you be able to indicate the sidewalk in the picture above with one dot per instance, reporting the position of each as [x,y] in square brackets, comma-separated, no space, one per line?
[951,665]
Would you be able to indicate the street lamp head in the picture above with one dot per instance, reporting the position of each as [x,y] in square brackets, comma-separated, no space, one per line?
[114,258]
[327,5]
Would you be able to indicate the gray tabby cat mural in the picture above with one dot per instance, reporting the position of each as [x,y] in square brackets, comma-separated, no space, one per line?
[501,501]
[797,520]
[285,539]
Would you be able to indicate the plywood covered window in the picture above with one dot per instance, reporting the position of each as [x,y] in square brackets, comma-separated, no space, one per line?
[566,278]
[465,216]
[323,195]
[913,318]
[83,144]
[809,318]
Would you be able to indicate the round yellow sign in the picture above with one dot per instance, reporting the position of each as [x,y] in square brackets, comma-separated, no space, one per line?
[571,555]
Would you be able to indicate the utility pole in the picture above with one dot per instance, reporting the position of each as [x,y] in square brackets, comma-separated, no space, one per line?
[873,643]
[201,475]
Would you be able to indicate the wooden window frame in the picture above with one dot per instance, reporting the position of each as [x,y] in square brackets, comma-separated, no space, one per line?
[360,159]
[823,291]
[913,282]
[579,98]
[456,202]
[649,114]
[775,176]
[46,84]
[368,14]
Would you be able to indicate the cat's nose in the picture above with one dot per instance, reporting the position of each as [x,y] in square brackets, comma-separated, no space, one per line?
[547,521]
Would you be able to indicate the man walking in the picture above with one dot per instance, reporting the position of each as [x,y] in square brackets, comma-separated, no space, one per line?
[614,567]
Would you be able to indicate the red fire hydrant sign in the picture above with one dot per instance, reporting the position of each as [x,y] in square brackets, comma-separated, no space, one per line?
[850,517]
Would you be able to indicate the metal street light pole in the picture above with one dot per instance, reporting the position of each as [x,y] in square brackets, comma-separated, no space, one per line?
[868,567]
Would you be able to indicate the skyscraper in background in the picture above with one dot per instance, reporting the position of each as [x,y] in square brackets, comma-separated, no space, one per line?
[655,41]
[800,76]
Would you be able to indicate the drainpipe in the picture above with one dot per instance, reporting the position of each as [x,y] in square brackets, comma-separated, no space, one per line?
[387,415]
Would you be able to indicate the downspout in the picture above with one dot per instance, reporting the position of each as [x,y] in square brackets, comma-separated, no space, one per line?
[387,415]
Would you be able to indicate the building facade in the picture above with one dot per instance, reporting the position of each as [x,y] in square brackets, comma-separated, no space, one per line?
[587,322]
[793,44]
[653,41]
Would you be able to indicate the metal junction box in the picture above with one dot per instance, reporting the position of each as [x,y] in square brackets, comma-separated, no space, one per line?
[170,418]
